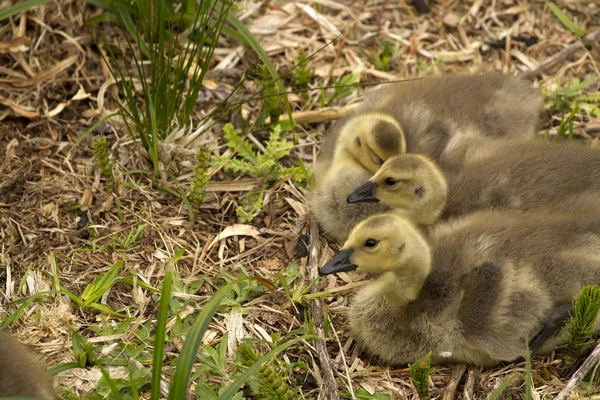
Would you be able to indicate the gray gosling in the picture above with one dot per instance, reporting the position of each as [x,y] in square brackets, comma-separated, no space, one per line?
[474,291]
[437,117]
[504,174]
[21,373]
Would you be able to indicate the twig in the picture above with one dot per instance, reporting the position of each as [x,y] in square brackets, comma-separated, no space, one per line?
[561,55]
[457,373]
[316,308]
[470,384]
[580,374]
[319,115]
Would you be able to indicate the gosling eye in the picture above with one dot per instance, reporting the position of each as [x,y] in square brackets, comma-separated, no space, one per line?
[420,191]
[390,181]
[370,243]
[377,159]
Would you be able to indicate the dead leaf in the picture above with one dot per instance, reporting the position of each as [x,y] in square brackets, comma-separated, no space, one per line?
[236,230]
[19,111]
[15,45]
[80,95]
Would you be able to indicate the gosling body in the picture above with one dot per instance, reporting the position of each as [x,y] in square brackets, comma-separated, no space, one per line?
[433,116]
[474,291]
[21,374]
[494,174]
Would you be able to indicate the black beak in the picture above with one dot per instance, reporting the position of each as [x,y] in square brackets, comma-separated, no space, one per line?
[339,263]
[364,194]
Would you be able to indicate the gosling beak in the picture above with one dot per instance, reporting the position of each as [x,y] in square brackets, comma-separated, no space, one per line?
[364,194]
[339,263]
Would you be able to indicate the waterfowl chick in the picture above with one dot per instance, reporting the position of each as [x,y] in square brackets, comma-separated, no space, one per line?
[21,374]
[432,116]
[411,183]
[474,291]
[495,174]
[360,151]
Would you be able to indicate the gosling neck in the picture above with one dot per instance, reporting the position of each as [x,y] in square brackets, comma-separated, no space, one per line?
[404,284]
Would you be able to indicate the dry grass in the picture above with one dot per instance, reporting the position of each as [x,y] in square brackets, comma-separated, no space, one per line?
[53,87]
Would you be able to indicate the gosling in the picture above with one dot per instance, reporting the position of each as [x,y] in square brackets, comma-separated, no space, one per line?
[434,116]
[495,175]
[474,291]
[21,374]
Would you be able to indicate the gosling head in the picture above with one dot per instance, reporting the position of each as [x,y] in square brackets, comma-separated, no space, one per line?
[410,183]
[380,244]
[372,138]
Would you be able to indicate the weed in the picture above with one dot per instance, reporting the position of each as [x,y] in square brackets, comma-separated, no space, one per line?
[362,394]
[383,58]
[574,96]
[176,69]
[422,69]
[100,152]
[419,374]
[200,178]
[272,101]
[302,74]
[341,88]
[566,125]
[566,21]
[270,382]
[126,244]
[249,209]
[585,310]
[263,164]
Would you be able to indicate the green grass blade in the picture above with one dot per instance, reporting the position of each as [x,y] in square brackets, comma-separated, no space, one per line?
[24,6]
[161,326]
[239,382]
[496,393]
[14,317]
[111,383]
[566,21]
[186,359]
[95,290]
[92,129]
[62,367]
[255,45]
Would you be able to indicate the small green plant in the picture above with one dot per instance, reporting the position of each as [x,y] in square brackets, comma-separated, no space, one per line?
[128,243]
[566,21]
[263,164]
[302,74]
[574,96]
[423,69]
[565,129]
[419,374]
[173,61]
[248,210]
[362,394]
[272,100]
[387,53]
[341,89]
[100,152]
[585,310]
[270,382]
[200,178]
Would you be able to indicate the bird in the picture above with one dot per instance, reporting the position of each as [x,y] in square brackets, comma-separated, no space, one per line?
[473,290]
[21,374]
[436,116]
[513,174]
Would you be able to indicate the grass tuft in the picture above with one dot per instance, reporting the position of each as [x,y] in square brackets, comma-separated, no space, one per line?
[585,310]
[100,152]
[419,374]
[201,177]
